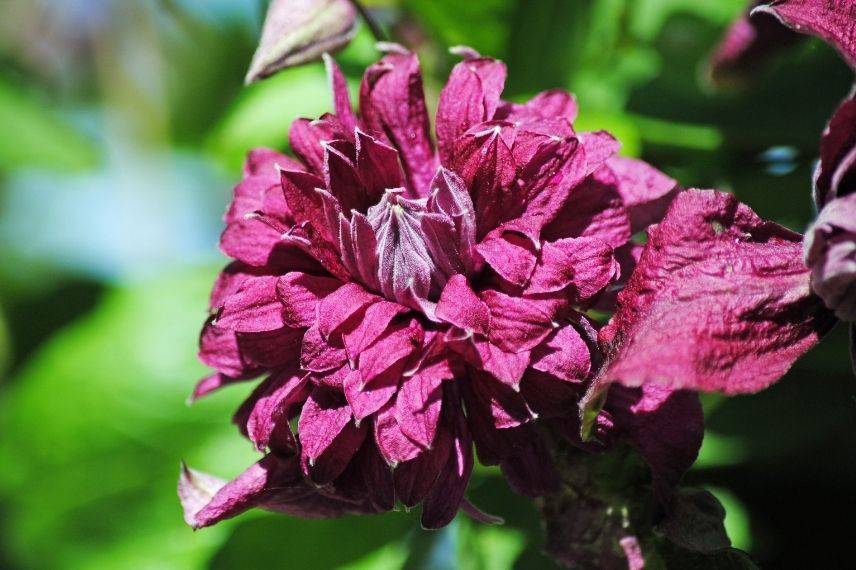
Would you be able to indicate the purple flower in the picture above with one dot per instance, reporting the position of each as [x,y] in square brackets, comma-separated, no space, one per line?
[405,303]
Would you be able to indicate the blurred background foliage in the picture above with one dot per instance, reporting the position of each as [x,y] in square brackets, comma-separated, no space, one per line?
[122,128]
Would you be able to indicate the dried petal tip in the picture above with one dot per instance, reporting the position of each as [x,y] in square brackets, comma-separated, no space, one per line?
[195,490]
[465,52]
[299,31]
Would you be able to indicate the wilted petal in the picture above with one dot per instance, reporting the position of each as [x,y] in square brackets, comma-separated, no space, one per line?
[830,252]
[520,323]
[720,301]
[392,102]
[195,490]
[299,31]
[460,306]
[471,96]
[834,21]
[645,191]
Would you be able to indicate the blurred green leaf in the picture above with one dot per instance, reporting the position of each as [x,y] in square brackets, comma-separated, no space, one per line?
[736,518]
[482,25]
[31,135]
[94,428]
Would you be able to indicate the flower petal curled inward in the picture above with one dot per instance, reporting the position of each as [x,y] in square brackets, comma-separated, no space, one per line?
[720,301]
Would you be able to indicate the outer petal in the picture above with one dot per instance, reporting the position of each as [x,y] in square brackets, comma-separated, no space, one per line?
[665,426]
[720,301]
[830,252]
[377,166]
[392,102]
[549,177]
[471,96]
[600,146]
[341,98]
[417,407]
[832,20]
[391,441]
[554,103]
[267,424]
[325,414]
[195,490]
[442,503]
[511,253]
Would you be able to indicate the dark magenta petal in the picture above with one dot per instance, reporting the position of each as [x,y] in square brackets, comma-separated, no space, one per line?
[471,96]
[254,307]
[341,98]
[392,102]
[719,301]
[418,405]
[565,354]
[377,166]
[392,443]
[460,306]
[830,252]
[518,324]
[300,294]
[645,191]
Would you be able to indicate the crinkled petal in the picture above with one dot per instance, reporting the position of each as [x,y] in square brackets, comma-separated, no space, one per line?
[511,253]
[267,424]
[507,407]
[195,490]
[554,103]
[319,354]
[720,301]
[548,179]
[585,264]
[599,147]
[325,414]
[393,349]
[370,327]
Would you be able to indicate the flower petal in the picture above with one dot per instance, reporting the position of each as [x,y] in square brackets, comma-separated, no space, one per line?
[460,306]
[374,323]
[254,307]
[599,147]
[392,102]
[565,354]
[417,407]
[319,354]
[720,301]
[341,98]
[587,264]
[646,191]
[340,305]
[300,295]
[520,323]
[391,442]
[366,399]
[471,96]
[377,166]
[836,174]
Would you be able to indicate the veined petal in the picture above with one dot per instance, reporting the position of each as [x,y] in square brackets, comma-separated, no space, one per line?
[300,295]
[518,324]
[460,306]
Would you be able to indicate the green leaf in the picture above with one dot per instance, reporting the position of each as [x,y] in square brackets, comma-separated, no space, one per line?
[32,135]
[94,429]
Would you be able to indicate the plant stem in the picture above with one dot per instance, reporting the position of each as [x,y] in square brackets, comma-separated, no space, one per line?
[374,27]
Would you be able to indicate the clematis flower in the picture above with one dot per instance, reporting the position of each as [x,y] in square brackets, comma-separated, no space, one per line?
[405,302]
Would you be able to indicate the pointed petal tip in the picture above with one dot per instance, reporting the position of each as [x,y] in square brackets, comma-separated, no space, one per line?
[392,47]
[465,52]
